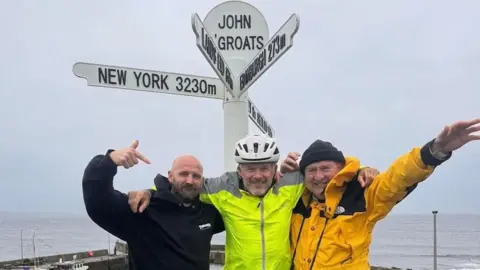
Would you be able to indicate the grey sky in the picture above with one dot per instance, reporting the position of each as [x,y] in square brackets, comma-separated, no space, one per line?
[373,77]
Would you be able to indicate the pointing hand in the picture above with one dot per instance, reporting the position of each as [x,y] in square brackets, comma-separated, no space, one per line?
[128,157]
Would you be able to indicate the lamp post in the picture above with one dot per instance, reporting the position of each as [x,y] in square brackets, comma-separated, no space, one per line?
[434,239]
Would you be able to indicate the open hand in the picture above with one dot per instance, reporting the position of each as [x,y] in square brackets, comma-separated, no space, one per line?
[128,157]
[456,135]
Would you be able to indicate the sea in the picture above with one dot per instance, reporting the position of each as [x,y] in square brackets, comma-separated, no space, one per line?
[404,241]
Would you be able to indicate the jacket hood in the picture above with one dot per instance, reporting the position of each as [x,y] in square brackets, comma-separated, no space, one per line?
[162,183]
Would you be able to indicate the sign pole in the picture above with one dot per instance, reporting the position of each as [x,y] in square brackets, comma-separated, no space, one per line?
[235,124]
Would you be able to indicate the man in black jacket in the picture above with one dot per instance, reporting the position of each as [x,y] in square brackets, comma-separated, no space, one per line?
[174,232]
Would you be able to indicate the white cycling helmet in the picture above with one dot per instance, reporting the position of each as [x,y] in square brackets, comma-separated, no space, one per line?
[256,149]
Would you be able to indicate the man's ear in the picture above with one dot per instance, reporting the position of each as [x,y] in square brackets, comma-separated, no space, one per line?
[170,176]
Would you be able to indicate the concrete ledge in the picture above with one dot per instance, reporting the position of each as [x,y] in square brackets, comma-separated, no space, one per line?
[54,258]
[119,261]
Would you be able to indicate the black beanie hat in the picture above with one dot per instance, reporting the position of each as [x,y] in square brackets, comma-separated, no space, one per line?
[320,151]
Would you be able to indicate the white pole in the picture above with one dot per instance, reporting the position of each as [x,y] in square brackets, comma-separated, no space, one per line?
[235,119]
[21,243]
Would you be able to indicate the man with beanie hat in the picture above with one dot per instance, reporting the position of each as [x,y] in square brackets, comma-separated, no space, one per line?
[332,224]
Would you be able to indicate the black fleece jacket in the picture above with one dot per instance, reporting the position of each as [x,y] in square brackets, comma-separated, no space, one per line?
[167,235]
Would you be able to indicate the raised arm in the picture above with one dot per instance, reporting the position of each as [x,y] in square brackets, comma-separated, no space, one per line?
[107,207]
[393,185]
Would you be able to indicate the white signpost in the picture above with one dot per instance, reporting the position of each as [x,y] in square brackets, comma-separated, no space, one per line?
[236,32]
[234,39]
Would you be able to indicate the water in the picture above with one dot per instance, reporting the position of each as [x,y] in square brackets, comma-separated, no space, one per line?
[400,240]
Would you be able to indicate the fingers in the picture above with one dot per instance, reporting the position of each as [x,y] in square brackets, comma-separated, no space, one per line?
[473,137]
[464,125]
[144,205]
[473,129]
[361,180]
[129,159]
[134,200]
[445,132]
[142,157]
[294,155]
[289,165]
[472,122]
[135,144]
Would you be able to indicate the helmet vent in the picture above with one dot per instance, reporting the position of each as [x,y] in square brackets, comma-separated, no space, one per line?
[255,147]
[273,144]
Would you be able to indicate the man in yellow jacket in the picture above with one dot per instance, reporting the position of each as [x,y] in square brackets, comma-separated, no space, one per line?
[332,224]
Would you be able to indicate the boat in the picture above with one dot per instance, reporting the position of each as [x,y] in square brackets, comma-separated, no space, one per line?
[68,265]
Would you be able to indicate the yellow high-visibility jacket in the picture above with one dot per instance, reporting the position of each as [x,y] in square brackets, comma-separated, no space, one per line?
[337,233]
[257,228]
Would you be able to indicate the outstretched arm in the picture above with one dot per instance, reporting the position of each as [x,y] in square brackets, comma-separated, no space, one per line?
[393,185]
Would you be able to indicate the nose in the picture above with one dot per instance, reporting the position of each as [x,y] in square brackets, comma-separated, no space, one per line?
[189,179]
[319,175]
[257,174]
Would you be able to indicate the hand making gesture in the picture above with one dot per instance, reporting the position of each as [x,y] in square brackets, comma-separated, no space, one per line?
[128,157]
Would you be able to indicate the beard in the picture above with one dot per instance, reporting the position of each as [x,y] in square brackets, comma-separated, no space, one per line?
[186,193]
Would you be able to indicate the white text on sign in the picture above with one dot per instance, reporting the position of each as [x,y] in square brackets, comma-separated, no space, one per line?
[151,81]
[207,46]
[235,22]
[275,48]
[259,120]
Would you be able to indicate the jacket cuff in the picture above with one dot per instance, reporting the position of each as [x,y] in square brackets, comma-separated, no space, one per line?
[428,158]
[109,167]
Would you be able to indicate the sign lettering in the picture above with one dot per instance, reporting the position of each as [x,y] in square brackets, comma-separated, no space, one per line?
[240,32]
[208,48]
[259,120]
[280,43]
[230,42]
[151,81]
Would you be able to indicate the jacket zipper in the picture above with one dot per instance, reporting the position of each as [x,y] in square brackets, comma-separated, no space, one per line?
[262,233]
[318,243]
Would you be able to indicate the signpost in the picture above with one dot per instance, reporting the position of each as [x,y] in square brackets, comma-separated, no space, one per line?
[234,39]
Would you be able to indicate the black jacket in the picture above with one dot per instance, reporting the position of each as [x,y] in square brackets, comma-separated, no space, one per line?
[167,235]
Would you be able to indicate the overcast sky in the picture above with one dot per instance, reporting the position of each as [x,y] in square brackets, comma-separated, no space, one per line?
[375,78]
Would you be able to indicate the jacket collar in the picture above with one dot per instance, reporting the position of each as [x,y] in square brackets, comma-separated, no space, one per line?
[164,192]
[334,190]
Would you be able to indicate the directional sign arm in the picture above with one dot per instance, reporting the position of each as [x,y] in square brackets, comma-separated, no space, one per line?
[149,80]
[279,44]
[259,120]
[209,49]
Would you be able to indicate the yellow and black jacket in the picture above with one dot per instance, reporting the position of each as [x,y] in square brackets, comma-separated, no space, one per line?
[337,233]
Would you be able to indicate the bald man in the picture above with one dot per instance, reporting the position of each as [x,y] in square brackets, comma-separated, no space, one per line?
[174,232]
